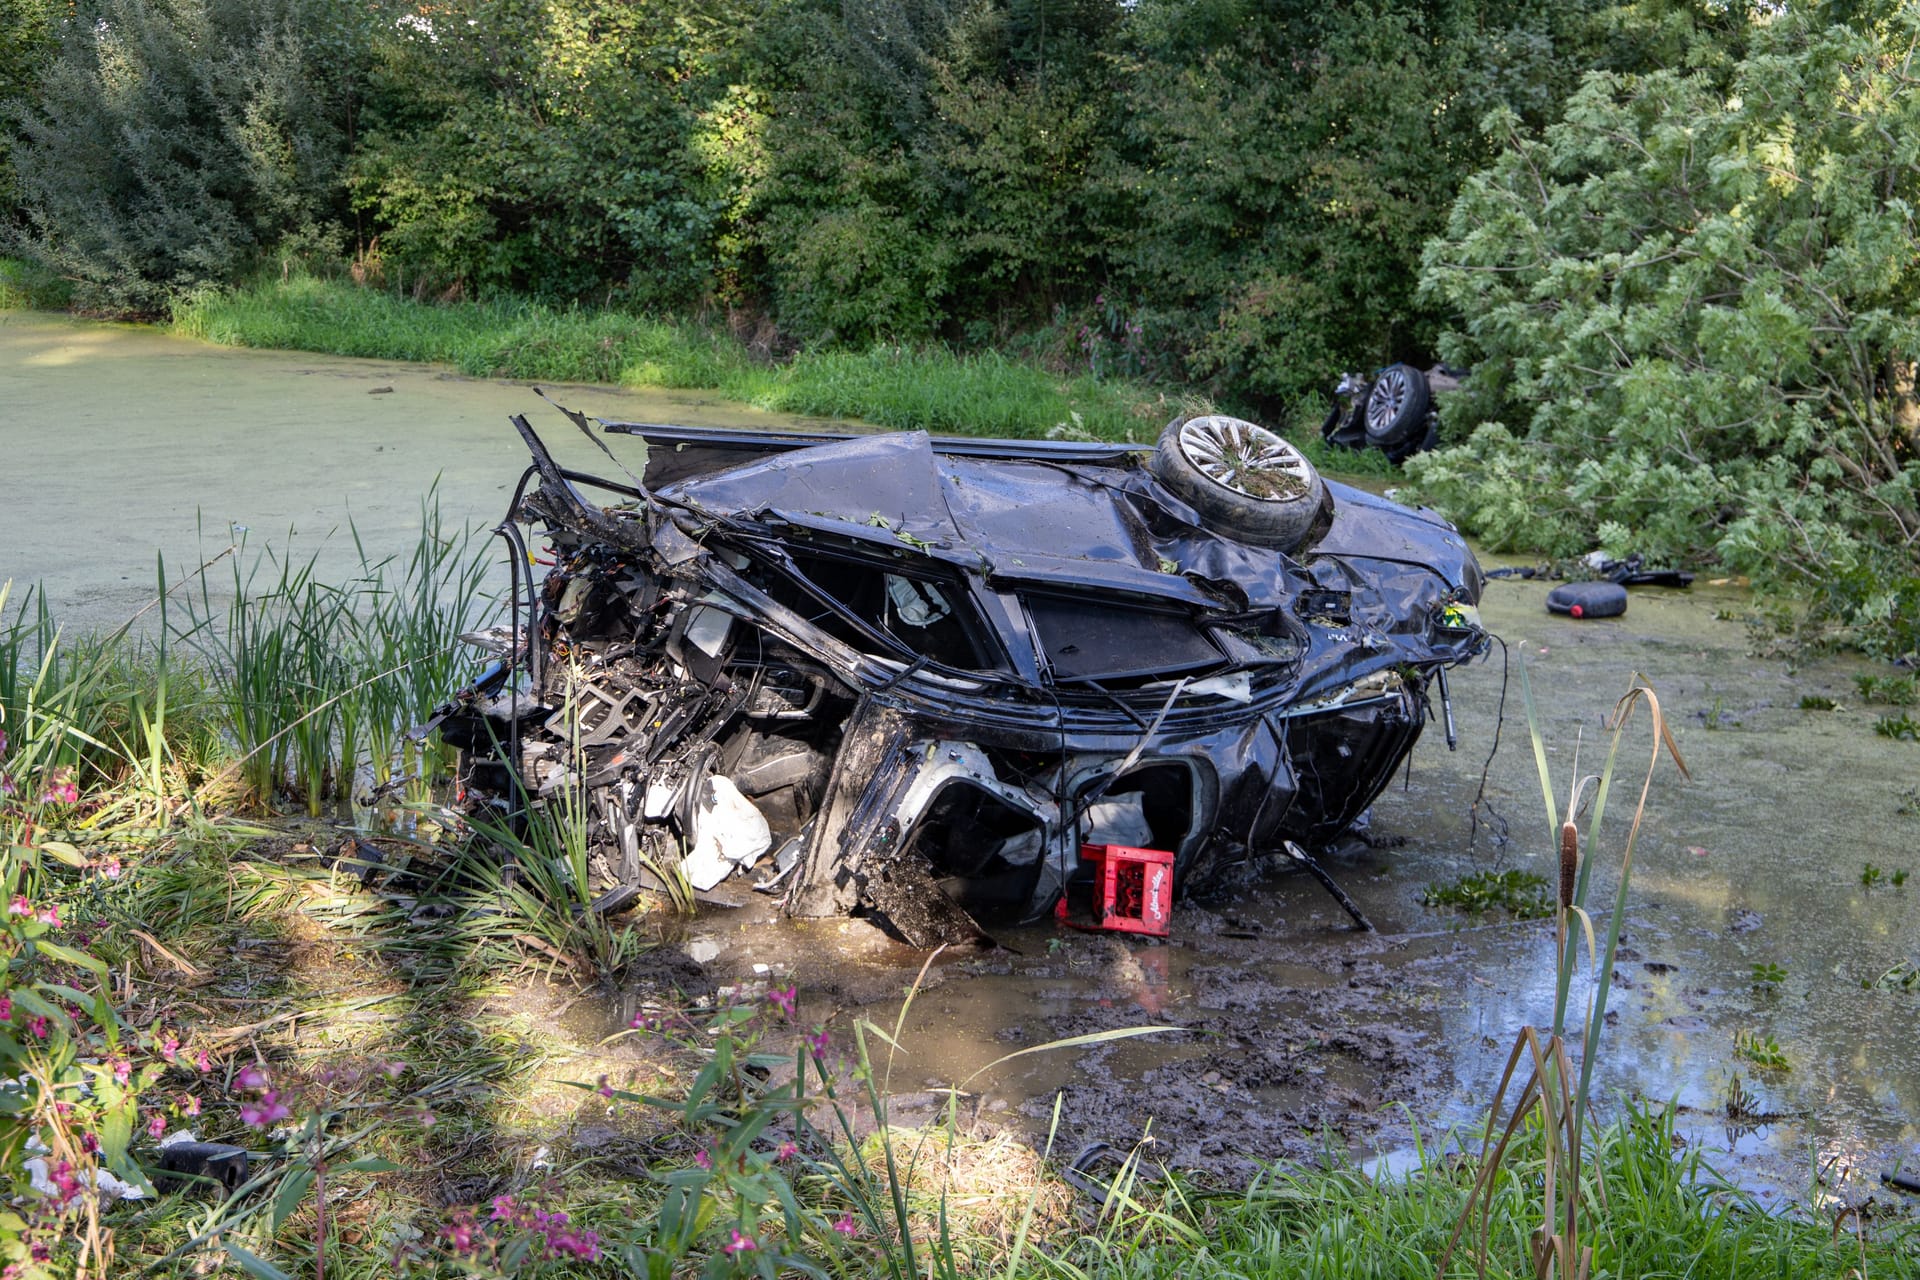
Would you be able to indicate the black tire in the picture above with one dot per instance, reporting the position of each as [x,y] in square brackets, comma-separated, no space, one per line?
[1242,479]
[1588,599]
[1397,407]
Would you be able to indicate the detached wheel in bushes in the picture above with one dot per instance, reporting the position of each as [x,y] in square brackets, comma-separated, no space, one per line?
[1397,408]
[1243,480]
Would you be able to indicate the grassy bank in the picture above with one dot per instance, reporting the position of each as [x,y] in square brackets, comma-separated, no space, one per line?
[932,390]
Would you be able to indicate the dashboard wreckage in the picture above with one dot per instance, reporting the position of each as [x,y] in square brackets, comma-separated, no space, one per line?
[911,677]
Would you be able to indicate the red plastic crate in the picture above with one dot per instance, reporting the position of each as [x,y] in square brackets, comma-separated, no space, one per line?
[1132,888]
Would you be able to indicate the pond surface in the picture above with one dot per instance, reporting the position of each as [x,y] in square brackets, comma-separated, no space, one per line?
[1296,1032]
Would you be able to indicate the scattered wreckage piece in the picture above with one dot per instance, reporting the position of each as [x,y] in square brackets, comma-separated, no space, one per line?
[1396,410]
[913,677]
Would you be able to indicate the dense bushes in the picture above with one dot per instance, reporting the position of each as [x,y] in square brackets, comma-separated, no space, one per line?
[172,142]
[1693,308]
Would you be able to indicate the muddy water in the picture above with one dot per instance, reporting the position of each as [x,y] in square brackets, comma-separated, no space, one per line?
[118,441]
[1294,1032]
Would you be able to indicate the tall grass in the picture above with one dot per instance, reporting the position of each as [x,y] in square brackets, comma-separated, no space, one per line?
[928,389]
[320,681]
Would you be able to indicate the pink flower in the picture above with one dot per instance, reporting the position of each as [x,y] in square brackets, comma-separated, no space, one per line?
[6,1008]
[818,1042]
[64,1181]
[38,1025]
[702,1159]
[584,1245]
[203,1062]
[268,1110]
[20,906]
[252,1076]
[644,1022]
[459,1235]
[60,788]
[49,916]
[122,1071]
[786,1152]
[844,1225]
[605,1090]
[393,1069]
[111,868]
[504,1209]
[170,1049]
[90,1143]
[189,1105]
[739,1243]
[156,1126]
[782,998]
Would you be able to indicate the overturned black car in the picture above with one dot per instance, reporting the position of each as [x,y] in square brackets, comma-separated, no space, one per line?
[913,676]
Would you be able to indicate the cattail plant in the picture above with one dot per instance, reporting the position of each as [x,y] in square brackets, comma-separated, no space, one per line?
[1550,1094]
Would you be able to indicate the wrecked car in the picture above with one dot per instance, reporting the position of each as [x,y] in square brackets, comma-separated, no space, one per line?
[912,677]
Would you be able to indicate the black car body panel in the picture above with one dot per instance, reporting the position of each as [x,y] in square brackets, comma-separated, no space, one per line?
[935,668]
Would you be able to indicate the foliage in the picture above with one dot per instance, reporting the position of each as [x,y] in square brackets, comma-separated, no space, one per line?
[1690,306]
[172,143]
[1521,893]
[928,389]
[29,34]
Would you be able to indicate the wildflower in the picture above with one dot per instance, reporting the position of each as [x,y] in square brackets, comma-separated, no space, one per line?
[844,1224]
[156,1126]
[786,1152]
[739,1243]
[111,868]
[782,998]
[644,1022]
[504,1209]
[269,1109]
[252,1076]
[60,788]
[64,1181]
[170,1048]
[702,1159]
[122,1071]
[6,1008]
[584,1245]
[20,906]
[49,916]
[459,1234]
[204,1063]
[818,1042]
[605,1090]
[90,1143]
[393,1069]
[189,1105]
[38,1025]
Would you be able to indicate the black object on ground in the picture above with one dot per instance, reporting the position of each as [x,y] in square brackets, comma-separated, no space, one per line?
[1588,599]
[1901,1180]
[190,1162]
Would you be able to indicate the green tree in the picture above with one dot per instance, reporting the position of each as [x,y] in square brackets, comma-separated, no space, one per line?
[29,36]
[172,142]
[547,146]
[1693,310]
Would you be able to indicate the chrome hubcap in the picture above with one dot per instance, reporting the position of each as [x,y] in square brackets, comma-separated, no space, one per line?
[1226,449]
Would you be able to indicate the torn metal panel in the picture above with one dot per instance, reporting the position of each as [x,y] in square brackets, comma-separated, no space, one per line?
[938,667]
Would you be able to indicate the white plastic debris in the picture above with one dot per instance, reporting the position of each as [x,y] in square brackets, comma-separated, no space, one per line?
[729,834]
[111,1188]
[918,604]
[177,1136]
[1120,820]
